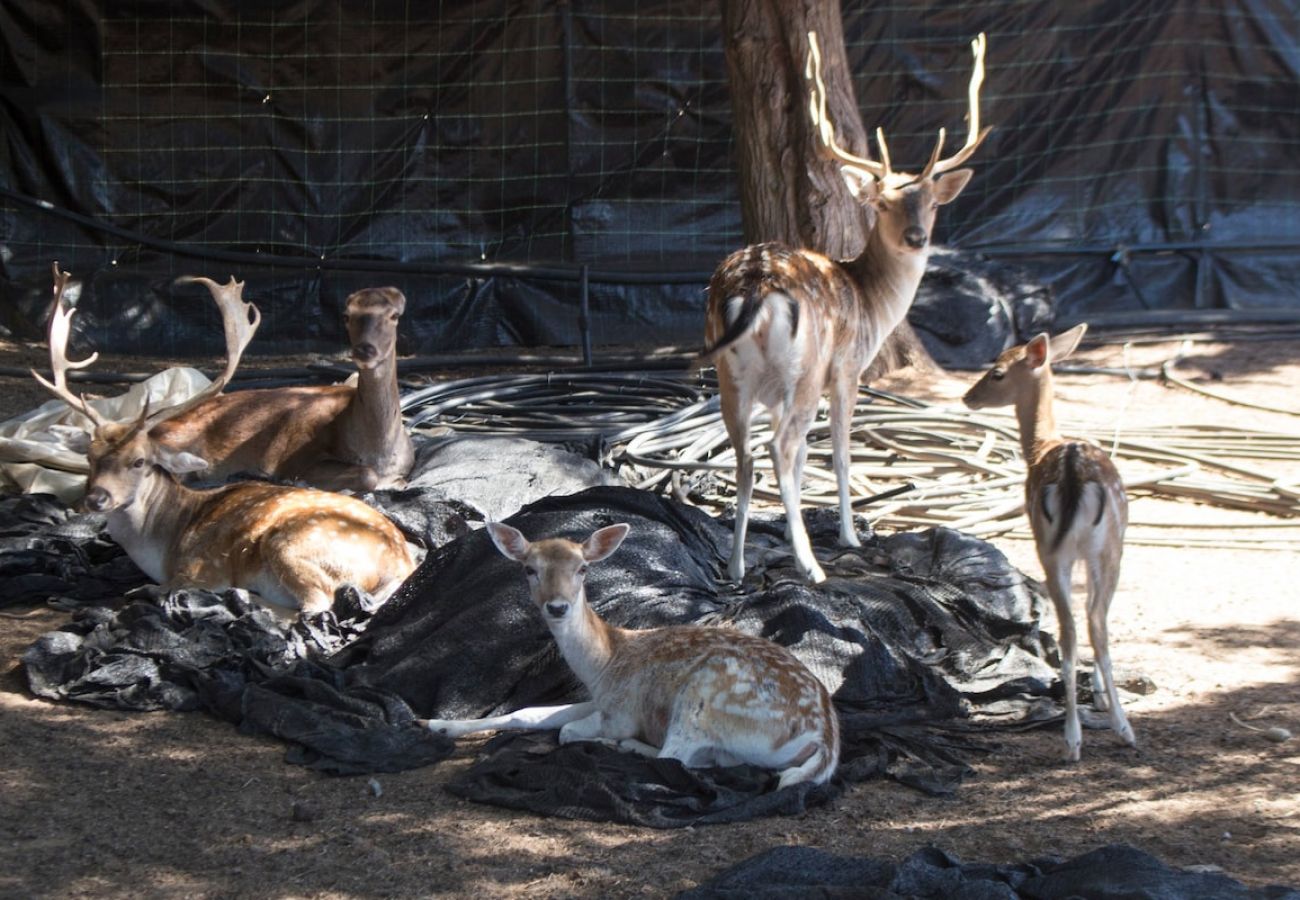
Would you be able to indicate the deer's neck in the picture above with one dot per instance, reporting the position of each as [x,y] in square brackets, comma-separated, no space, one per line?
[888,281]
[1037,418]
[587,643]
[148,528]
[376,406]
[372,423]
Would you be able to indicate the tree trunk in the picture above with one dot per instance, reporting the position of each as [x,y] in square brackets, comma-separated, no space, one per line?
[791,189]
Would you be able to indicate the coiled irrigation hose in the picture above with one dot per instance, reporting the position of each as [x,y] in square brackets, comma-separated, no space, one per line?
[911,464]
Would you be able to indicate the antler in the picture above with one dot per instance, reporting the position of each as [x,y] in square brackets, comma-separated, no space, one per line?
[881,170]
[239,329]
[974,135]
[60,328]
[822,121]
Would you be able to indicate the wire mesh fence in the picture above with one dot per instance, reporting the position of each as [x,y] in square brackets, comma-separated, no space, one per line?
[1142,157]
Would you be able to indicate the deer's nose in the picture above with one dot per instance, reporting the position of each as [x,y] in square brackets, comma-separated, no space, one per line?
[97,499]
[557,609]
[915,237]
[365,352]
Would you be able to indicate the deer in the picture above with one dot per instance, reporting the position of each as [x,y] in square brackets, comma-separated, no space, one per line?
[1077,510]
[785,325]
[705,696]
[291,546]
[339,437]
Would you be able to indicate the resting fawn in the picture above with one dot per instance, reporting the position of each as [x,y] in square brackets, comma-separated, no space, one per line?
[704,696]
[1077,509]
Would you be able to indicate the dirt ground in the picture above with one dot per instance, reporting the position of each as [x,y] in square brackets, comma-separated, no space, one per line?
[106,804]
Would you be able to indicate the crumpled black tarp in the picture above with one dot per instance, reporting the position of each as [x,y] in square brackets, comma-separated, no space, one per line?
[969,308]
[910,633]
[1115,872]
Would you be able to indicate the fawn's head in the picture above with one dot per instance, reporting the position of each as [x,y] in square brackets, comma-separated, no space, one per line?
[556,568]
[371,317]
[1016,370]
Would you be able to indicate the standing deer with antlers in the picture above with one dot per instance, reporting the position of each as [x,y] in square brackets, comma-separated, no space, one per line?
[293,547]
[1077,511]
[704,696]
[337,437]
[786,325]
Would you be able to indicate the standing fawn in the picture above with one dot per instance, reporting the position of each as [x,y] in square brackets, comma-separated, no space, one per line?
[336,436]
[786,325]
[704,696]
[1077,510]
[293,547]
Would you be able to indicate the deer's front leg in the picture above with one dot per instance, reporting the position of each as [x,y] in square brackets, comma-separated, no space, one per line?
[533,718]
[844,394]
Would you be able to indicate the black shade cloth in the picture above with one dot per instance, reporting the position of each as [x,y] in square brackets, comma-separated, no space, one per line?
[1115,872]
[914,633]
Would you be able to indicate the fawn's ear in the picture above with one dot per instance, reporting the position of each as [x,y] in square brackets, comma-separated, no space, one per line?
[510,541]
[604,542]
[1037,352]
[1065,343]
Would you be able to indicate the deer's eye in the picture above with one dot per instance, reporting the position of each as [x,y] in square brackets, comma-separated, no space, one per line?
[582,570]
[997,374]
[138,464]
[530,571]
[393,317]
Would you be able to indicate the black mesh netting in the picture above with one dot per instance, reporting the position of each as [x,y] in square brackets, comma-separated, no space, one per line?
[913,634]
[1116,872]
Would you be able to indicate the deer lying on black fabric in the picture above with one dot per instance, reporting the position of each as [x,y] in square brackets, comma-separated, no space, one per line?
[336,436]
[293,547]
[1077,510]
[704,696]
[786,325]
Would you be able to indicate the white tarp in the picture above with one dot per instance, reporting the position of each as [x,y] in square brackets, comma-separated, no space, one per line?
[34,447]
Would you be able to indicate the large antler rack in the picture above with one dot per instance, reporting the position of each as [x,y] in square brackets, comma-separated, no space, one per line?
[239,321]
[60,327]
[882,170]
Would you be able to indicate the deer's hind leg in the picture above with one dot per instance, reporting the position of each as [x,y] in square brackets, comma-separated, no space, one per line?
[737,409]
[1057,569]
[791,428]
[1103,578]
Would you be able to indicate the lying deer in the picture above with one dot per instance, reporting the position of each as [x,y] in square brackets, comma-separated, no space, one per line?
[1077,510]
[786,325]
[704,696]
[337,436]
[293,547]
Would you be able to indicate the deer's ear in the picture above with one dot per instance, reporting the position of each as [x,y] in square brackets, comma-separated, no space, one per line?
[1036,351]
[179,462]
[604,542]
[949,186]
[399,300]
[510,541]
[77,440]
[1065,343]
[861,183]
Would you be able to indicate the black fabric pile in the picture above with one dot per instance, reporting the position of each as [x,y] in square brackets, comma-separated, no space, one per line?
[1116,872]
[919,636]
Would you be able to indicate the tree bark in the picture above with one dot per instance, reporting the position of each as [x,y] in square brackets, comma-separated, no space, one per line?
[791,189]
